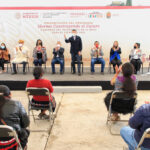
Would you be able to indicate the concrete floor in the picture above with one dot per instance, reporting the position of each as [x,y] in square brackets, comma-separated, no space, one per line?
[80,123]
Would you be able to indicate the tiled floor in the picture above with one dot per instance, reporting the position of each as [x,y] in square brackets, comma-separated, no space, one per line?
[80,123]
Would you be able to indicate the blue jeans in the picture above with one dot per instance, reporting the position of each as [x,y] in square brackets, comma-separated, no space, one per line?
[76,57]
[61,62]
[127,134]
[38,62]
[101,60]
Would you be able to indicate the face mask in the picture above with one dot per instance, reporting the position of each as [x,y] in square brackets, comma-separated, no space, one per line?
[134,47]
[58,45]
[74,34]
[20,45]
[2,47]
[97,45]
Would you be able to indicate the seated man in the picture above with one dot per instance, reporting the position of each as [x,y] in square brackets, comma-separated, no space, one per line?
[97,56]
[13,114]
[58,53]
[137,125]
[21,56]
[39,82]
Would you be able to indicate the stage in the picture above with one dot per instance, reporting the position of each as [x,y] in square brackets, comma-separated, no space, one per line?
[18,81]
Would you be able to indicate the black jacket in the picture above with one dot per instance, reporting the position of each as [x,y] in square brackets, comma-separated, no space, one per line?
[76,45]
[14,115]
[60,53]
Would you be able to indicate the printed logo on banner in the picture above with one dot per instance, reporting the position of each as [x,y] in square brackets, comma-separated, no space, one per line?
[30,15]
[18,15]
[95,15]
[108,15]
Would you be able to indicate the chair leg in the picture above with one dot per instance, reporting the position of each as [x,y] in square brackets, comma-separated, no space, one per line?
[7,68]
[82,68]
[71,67]
[28,68]
[33,115]
[10,67]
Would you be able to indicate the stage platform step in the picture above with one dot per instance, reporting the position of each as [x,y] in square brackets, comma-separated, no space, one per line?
[77,89]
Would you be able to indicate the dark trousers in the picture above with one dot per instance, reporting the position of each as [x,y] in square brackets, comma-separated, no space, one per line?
[38,62]
[76,57]
[115,62]
[137,64]
[61,62]
[2,62]
[24,66]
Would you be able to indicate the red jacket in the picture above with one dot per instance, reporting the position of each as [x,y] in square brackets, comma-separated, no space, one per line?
[40,83]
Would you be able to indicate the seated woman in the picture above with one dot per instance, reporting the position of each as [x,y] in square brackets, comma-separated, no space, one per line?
[20,56]
[126,83]
[97,56]
[4,56]
[135,57]
[115,55]
[58,53]
[38,82]
[39,54]
[13,114]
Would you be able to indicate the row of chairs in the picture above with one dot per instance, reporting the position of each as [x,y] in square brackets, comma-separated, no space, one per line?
[8,63]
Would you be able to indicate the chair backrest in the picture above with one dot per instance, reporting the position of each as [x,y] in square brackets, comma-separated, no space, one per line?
[37,91]
[7,131]
[146,135]
[122,102]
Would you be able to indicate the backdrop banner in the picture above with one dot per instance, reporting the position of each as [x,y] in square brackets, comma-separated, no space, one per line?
[127,26]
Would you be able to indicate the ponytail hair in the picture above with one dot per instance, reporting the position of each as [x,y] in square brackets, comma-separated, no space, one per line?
[129,84]
[38,72]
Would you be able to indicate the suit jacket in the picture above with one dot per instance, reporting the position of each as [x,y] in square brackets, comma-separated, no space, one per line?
[76,45]
[59,53]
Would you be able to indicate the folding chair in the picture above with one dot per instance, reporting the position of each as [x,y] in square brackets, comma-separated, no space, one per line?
[9,132]
[146,135]
[8,63]
[63,66]
[109,68]
[81,63]
[27,65]
[97,63]
[38,92]
[120,103]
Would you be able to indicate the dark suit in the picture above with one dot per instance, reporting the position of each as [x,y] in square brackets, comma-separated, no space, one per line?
[76,46]
[58,57]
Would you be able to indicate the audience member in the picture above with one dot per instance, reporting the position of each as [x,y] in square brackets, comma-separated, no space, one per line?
[39,82]
[137,125]
[126,82]
[13,114]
